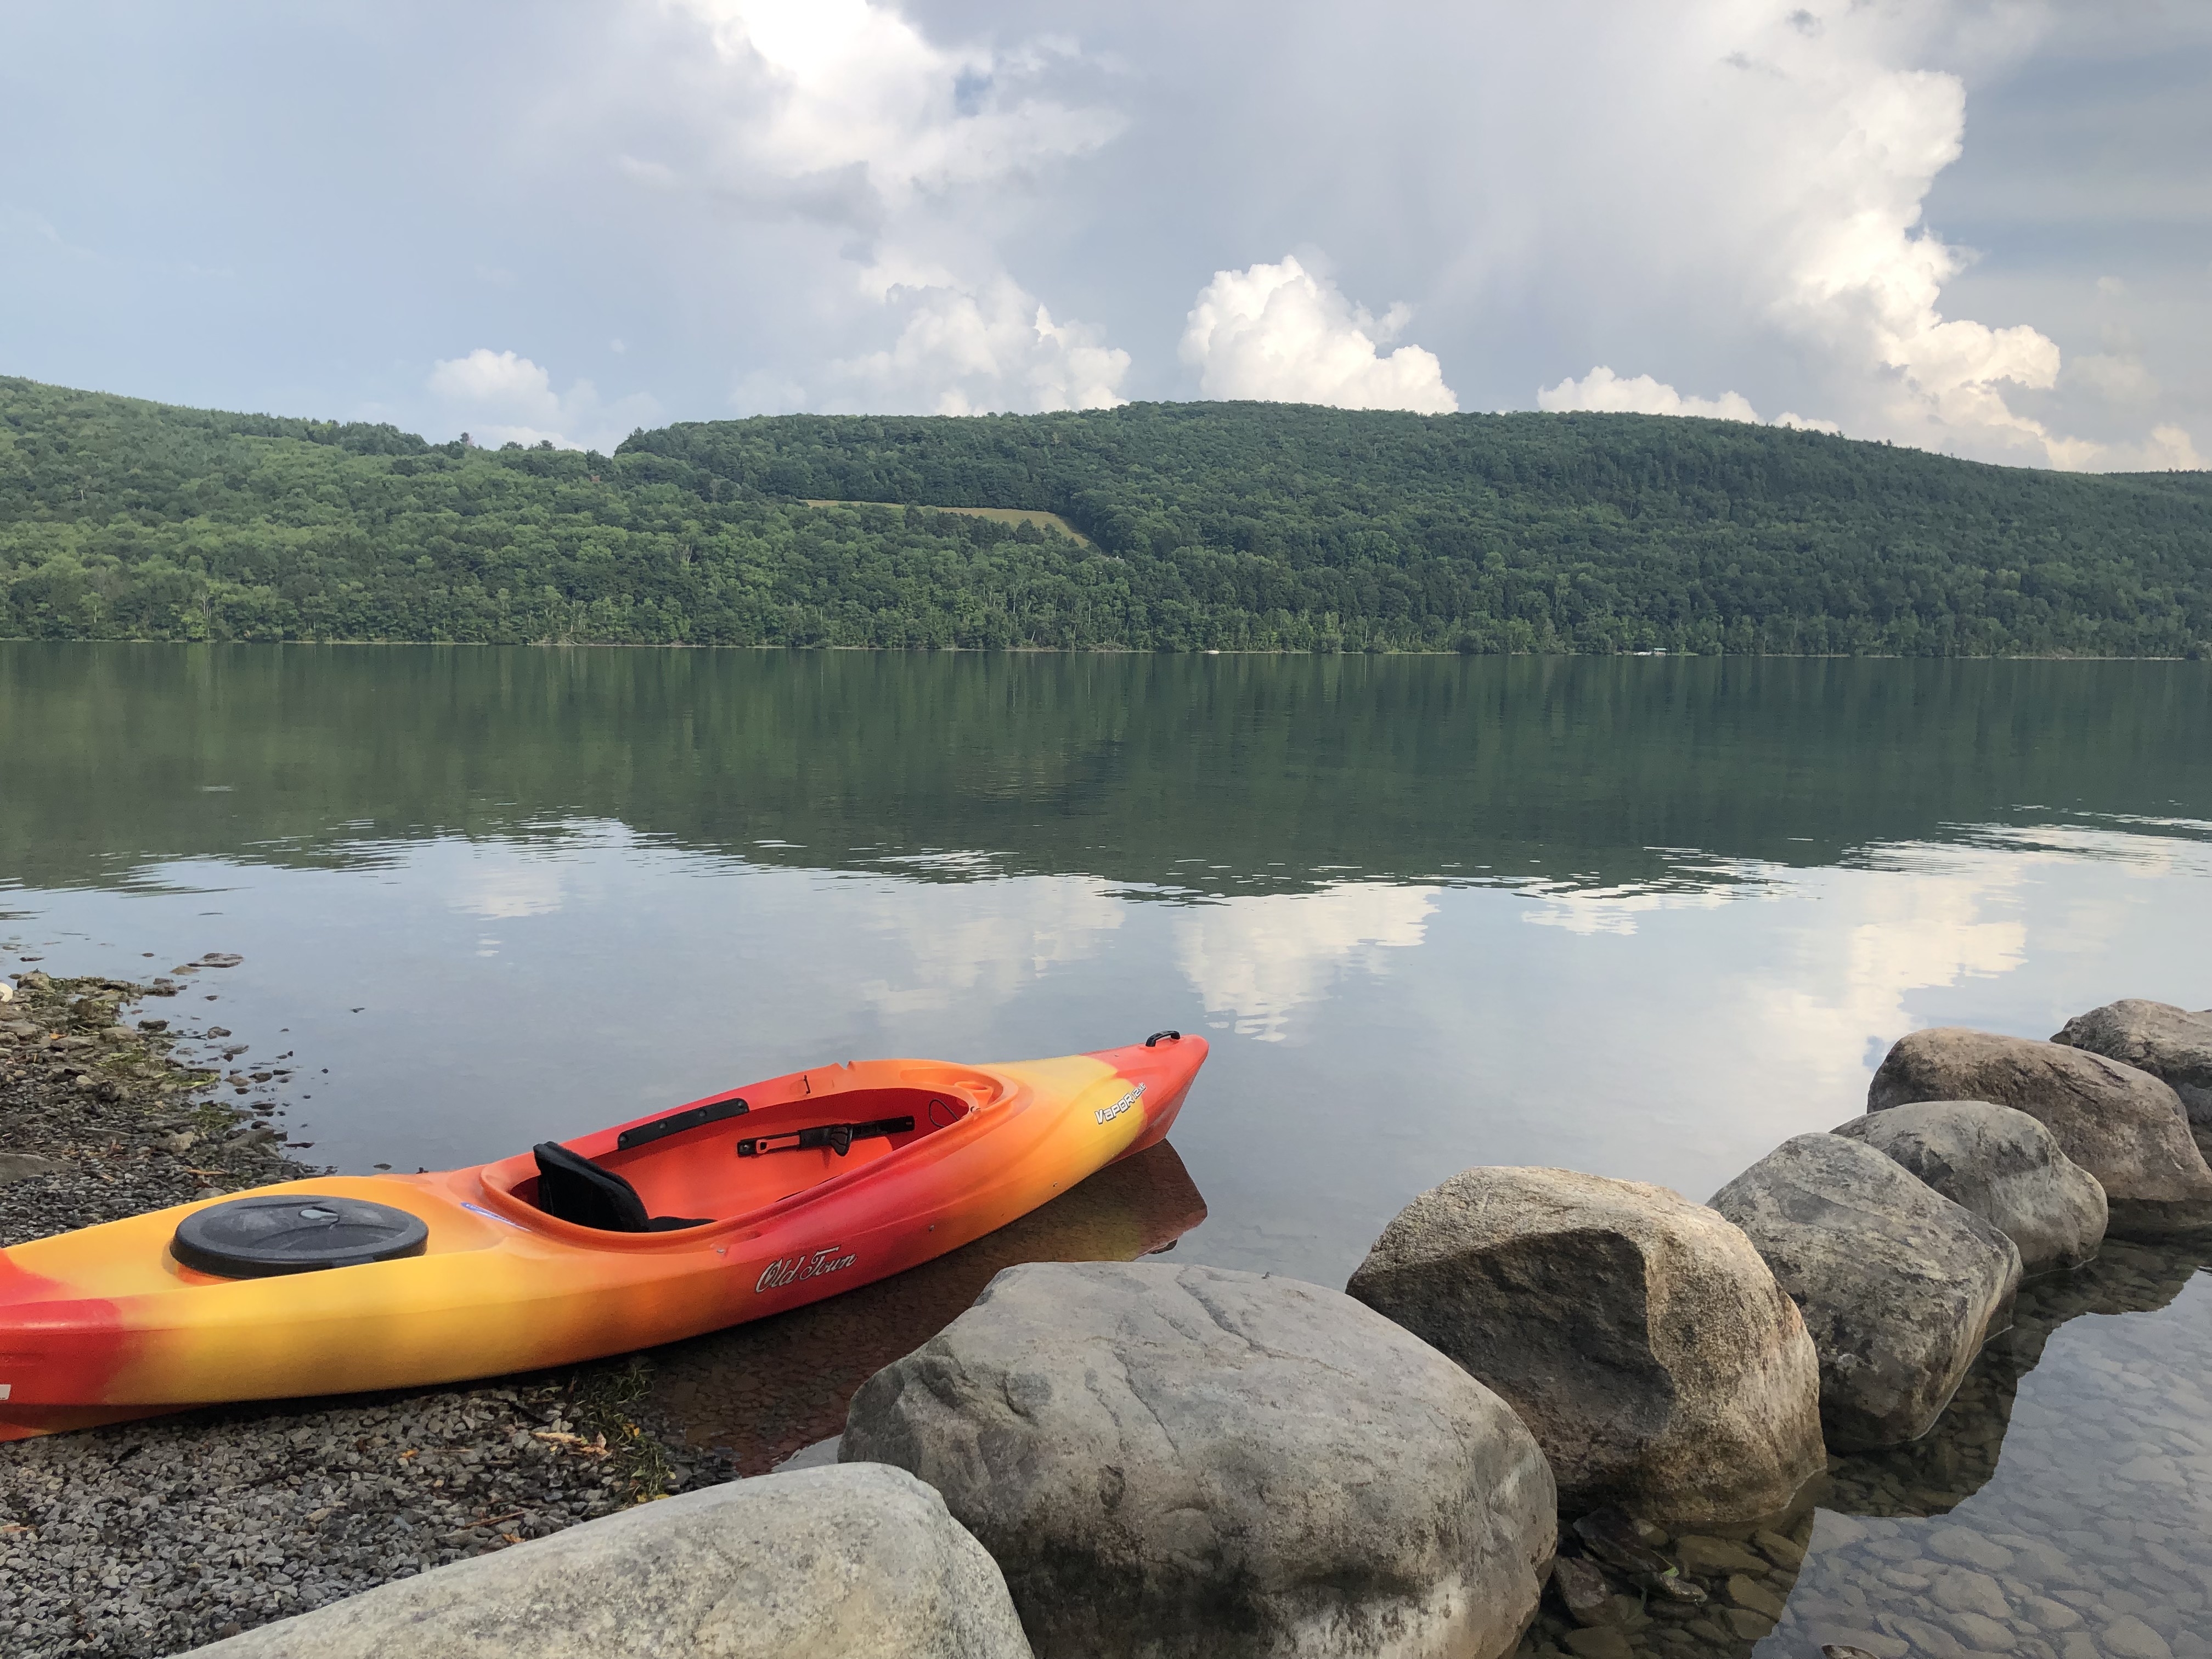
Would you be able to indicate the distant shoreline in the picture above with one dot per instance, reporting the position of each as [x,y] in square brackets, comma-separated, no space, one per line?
[1103,650]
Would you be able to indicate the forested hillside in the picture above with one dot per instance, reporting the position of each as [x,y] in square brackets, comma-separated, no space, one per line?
[1229,525]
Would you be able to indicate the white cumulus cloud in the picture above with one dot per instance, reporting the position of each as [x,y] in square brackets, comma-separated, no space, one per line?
[1816,228]
[845,112]
[850,84]
[1603,390]
[1826,212]
[503,397]
[1860,274]
[2168,448]
[1281,332]
[966,349]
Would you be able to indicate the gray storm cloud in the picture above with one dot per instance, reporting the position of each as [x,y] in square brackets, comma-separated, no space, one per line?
[1833,251]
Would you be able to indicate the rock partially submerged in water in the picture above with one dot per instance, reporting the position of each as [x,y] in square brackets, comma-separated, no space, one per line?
[2002,1164]
[1192,1460]
[1618,1539]
[2170,1043]
[1586,1593]
[1899,1286]
[2123,1126]
[860,1561]
[1639,1336]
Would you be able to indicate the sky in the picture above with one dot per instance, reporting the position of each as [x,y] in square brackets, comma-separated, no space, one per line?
[1978,226]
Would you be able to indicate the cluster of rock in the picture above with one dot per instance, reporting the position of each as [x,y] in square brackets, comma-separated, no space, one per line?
[1140,1459]
[2124,1124]
[1904,1235]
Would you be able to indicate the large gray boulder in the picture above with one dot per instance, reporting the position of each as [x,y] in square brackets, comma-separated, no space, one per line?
[859,1561]
[1639,1336]
[1899,1286]
[2002,1164]
[2170,1043]
[1191,1461]
[2123,1126]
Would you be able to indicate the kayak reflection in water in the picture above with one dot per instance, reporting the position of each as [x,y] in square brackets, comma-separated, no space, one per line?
[765,1390]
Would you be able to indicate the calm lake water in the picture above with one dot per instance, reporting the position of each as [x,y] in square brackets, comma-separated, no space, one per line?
[1641,917]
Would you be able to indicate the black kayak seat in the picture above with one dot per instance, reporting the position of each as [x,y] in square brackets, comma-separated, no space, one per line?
[572,1188]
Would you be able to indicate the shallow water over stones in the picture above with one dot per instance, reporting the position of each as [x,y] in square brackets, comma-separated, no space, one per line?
[2061,1508]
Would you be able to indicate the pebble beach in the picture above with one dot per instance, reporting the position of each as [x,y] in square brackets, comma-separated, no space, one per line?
[153,1537]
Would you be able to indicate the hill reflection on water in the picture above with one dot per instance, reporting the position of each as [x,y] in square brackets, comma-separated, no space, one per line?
[1182,775]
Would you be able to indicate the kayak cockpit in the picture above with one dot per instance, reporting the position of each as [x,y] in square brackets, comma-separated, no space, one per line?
[571,1187]
[726,1158]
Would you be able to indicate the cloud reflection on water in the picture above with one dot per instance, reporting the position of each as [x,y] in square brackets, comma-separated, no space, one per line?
[1257,961]
[1372,1037]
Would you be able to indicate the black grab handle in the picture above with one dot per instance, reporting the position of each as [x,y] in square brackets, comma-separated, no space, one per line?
[677,1123]
[837,1137]
[1154,1040]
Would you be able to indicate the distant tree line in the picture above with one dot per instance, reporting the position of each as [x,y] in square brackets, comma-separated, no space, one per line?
[1235,527]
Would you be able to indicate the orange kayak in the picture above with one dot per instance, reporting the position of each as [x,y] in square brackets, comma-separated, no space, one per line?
[743,1204]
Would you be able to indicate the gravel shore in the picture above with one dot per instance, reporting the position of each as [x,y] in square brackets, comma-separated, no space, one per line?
[150,1538]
